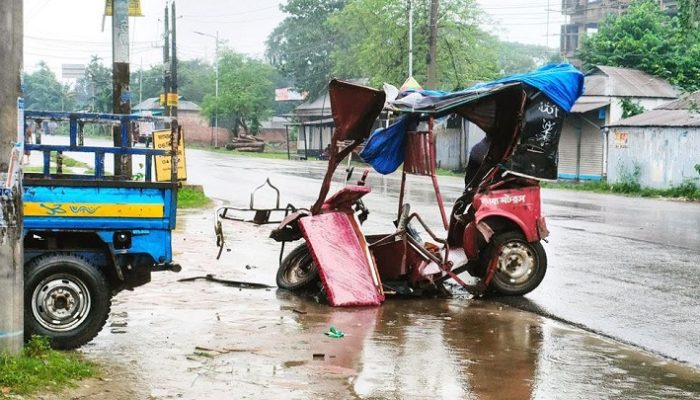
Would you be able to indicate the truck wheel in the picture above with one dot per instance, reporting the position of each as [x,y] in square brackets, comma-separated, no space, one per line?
[297,270]
[66,299]
[521,265]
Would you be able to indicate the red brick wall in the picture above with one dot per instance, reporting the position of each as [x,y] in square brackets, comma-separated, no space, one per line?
[197,129]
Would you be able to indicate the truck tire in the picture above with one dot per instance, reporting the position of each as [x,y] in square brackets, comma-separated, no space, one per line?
[521,265]
[297,270]
[66,299]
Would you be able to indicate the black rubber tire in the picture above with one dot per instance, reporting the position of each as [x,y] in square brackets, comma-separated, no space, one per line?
[515,244]
[297,270]
[70,269]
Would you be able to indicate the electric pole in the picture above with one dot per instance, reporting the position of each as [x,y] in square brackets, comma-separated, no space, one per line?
[11,131]
[410,38]
[173,97]
[121,96]
[166,64]
[432,45]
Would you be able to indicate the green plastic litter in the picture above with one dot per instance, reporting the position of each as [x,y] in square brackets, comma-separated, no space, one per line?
[335,333]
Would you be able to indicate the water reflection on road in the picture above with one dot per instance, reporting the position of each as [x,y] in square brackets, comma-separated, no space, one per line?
[202,340]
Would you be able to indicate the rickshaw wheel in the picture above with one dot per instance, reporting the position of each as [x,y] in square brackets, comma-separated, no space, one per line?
[521,265]
[297,270]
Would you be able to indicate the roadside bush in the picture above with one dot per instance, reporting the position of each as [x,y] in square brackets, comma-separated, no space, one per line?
[629,180]
[40,368]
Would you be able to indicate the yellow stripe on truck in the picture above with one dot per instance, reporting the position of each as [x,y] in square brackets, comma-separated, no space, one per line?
[93,210]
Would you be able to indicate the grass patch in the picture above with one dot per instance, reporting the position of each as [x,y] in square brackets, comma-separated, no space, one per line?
[70,166]
[192,197]
[688,190]
[35,169]
[448,172]
[274,155]
[69,162]
[40,368]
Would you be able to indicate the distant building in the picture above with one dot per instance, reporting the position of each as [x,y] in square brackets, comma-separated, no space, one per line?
[195,126]
[585,15]
[661,145]
[582,147]
[314,126]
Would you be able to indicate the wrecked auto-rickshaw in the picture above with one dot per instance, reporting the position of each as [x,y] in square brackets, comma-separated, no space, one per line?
[495,229]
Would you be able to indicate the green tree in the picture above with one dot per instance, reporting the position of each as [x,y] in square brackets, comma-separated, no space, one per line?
[246,92]
[630,108]
[42,91]
[373,42]
[516,57]
[196,79]
[146,83]
[95,87]
[689,13]
[301,46]
[648,39]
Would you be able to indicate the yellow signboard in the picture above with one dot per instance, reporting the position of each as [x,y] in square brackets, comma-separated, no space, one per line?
[172,99]
[162,140]
[93,210]
[134,8]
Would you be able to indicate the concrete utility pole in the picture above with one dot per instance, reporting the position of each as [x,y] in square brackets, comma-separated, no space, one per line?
[11,260]
[121,96]
[432,45]
[166,63]
[410,38]
[215,128]
[173,97]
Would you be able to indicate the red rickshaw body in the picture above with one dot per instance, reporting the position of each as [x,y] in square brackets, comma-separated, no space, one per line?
[521,206]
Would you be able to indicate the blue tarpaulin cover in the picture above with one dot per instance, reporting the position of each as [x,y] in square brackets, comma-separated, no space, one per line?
[561,84]
[386,147]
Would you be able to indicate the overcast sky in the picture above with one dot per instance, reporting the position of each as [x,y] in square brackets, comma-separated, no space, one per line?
[70,31]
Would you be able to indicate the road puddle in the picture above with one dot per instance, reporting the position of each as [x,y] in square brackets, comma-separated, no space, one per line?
[203,340]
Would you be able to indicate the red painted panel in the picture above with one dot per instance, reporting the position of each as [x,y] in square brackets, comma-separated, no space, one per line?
[342,259]
[420,155]
[521,205]
[345,198]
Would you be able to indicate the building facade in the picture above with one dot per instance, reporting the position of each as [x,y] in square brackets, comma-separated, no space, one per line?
[583,144]
[583,17]
[659,148]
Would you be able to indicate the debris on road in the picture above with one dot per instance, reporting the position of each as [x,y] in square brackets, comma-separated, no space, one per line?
[227,282]
[335,333]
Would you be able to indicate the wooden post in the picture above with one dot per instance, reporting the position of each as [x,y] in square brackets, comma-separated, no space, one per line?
[121,96]
[11,131]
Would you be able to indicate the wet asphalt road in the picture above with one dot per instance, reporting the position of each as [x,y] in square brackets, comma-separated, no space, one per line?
[627,268]
[203,340]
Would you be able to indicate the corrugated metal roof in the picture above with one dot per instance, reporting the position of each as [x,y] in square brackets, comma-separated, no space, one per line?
[625,82]
[657,117]
[153,103]
[320,106]
[274,123]
[584,106]
[687,102]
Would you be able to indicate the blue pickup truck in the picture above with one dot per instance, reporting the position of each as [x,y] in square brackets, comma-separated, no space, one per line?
[89,236]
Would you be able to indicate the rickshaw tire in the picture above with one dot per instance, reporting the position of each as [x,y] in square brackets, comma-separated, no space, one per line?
[67,267]
[299,257]
[500,287]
